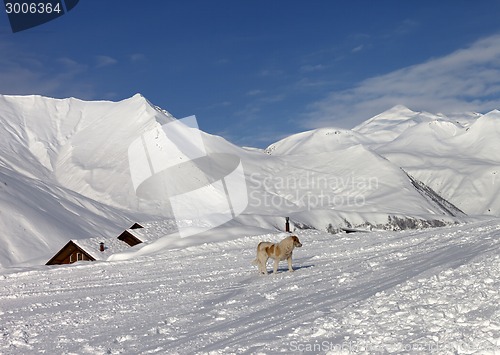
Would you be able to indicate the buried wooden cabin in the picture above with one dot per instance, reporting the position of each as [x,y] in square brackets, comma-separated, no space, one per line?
[70,253]
[101,248]
[89,249]
[129,237]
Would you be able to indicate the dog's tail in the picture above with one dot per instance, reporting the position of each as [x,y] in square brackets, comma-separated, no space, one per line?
[256,260]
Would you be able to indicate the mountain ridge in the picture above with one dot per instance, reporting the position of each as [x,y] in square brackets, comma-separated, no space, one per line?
[66,153]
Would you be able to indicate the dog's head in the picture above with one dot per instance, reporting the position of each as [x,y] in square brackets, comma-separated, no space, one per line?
[296,241]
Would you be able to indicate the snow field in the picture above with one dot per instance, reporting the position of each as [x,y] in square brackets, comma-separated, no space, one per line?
[412,292]
[454,311]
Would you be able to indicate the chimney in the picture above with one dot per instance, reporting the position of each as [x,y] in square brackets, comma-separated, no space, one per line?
[101,246]
[287,224]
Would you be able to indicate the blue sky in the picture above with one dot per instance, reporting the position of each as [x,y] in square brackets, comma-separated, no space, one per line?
[256,71]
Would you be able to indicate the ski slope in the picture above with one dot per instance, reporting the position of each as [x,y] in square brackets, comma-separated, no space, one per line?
[411,292]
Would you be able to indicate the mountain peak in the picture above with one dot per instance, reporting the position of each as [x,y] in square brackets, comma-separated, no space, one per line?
[493,114]
[399,109]
[395,113]
[387,125]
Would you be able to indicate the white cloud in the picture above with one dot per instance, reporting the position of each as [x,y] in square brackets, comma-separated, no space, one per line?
[25,73]
[271,72]
[104,61]
[71,66]
[465,80]
[357,49]
[308,68]
[137,57]
[222,61]
[254,92]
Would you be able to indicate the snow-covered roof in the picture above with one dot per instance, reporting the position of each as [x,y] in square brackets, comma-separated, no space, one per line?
[150,232]
[92,246]
[154,230]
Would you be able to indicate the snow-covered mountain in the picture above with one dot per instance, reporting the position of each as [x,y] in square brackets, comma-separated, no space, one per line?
[76,144]
[458,158]
[65,173]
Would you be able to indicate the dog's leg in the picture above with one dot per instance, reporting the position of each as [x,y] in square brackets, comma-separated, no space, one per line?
[259,266]
[276,262]
[289,259]
[263,268]
[263,265]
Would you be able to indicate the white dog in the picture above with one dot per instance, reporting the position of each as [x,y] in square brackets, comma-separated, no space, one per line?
[277,251]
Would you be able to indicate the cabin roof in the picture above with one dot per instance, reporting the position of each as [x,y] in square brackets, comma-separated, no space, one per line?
[354,230]
[152,231]
[136,234]
[92,246]
[136,226]
[145,232]
[65,251]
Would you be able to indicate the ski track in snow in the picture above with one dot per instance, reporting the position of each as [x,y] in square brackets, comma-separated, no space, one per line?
[412,292]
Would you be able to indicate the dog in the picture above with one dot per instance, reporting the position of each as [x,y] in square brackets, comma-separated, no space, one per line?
[277,251]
